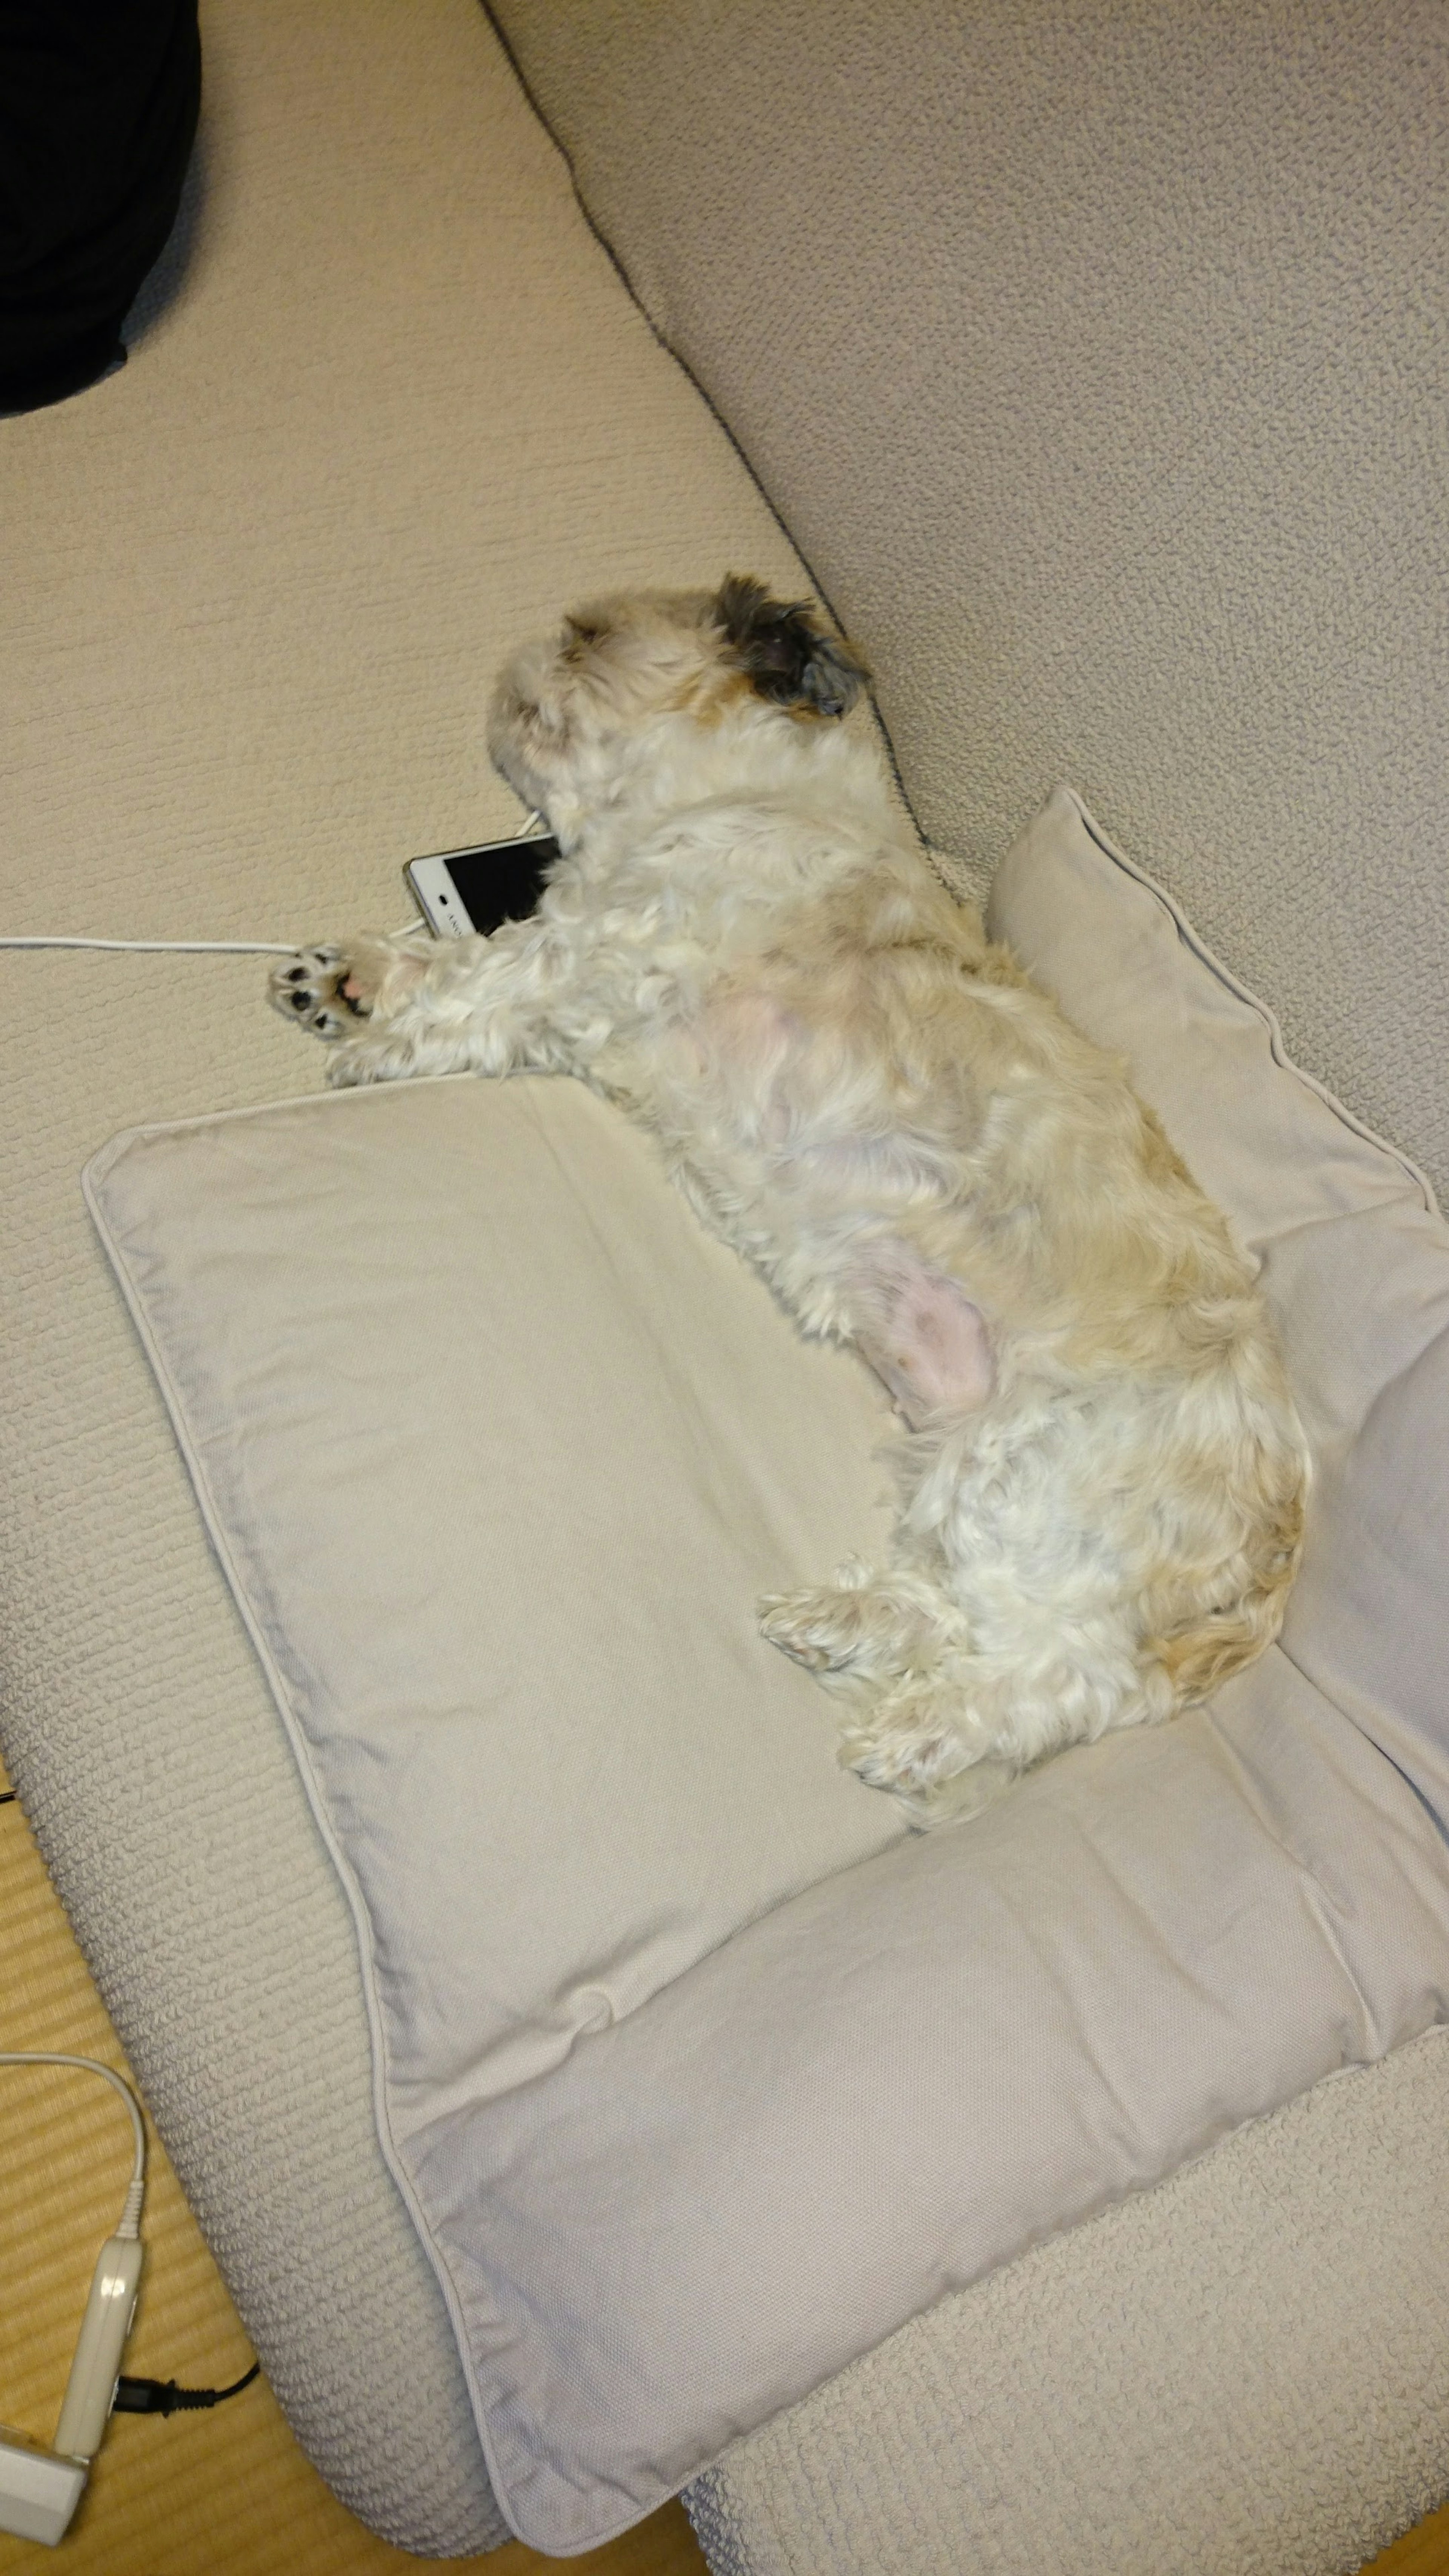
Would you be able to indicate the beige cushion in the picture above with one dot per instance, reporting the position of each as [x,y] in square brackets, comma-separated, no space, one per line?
[499,1448]
[700,2077]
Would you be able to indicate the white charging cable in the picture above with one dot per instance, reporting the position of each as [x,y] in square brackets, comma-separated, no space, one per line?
[188,947]
[154,947]
[39,2489]
[532,823]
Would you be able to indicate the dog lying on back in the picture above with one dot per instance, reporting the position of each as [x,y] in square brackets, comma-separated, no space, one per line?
[1102,1488]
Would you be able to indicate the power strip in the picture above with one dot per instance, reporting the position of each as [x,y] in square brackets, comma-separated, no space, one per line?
[38,2491]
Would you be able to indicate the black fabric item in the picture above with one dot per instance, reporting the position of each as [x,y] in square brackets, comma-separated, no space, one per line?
[98,108]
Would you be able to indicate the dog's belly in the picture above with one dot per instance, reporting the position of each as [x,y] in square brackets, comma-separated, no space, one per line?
[757,1108]
[746,1080]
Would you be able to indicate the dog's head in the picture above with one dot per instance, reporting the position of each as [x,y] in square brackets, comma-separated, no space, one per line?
[782,651]
[576,712]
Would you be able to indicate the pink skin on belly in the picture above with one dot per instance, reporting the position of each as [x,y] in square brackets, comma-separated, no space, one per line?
[932,1349]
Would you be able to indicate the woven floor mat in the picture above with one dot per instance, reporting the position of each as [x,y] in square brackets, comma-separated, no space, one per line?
[222,2493]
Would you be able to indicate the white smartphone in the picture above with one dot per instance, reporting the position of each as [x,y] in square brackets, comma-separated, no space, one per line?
[476,889]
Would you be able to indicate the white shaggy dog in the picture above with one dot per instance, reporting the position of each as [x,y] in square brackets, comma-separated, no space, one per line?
[1103,1485]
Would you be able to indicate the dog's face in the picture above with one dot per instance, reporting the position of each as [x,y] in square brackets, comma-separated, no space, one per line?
[574,713]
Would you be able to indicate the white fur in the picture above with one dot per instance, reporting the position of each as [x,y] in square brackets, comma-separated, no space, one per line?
[1103,1479]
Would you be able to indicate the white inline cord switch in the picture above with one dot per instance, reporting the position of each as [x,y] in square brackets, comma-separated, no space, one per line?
[40,2489]
[97,2365]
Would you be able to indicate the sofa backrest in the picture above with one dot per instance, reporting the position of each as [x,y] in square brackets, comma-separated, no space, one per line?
[1093,353]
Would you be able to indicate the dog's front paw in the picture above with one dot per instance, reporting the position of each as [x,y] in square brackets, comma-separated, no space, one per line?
[319,989]
[329,990]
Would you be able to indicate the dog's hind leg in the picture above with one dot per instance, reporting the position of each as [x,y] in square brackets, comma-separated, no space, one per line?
[946,1739]
[896,1645]
[868,1633]
[872,1628]
[921,1742]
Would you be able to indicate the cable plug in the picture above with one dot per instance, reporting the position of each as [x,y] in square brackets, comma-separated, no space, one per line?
[163,2397]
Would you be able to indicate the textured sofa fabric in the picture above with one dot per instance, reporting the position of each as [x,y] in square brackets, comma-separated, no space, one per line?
[1242,2373]
[1094,356]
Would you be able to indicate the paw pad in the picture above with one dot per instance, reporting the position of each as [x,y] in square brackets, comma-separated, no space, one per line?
[309,990]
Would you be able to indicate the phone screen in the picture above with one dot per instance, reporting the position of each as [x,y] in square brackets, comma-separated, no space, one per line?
[501,882]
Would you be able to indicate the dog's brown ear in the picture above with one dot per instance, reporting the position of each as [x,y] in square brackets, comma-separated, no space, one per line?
[785,651]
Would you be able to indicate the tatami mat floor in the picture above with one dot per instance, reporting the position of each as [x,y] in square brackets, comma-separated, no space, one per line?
[226,2493]
[223,2493]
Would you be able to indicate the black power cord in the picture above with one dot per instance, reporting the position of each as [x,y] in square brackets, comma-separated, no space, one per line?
[163,2397]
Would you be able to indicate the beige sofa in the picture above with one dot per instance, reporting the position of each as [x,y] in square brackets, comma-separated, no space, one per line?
[1085,355]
